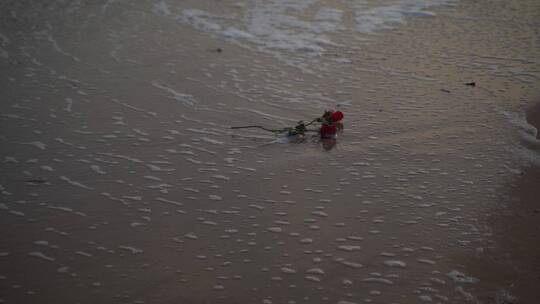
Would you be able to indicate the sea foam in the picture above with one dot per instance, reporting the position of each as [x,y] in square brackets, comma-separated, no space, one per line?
[279,27]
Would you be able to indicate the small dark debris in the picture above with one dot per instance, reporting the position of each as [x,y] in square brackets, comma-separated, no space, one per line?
[536,210]
[472,84]
[445,90]
[219,50]
[35,181]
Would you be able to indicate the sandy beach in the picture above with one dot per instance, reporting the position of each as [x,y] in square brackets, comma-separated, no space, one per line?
[123,181]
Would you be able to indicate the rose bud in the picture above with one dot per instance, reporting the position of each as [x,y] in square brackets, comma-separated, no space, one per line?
[337,116]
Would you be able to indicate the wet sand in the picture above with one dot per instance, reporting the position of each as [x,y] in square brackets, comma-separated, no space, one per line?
[517,229]
[123,182]
[513,259]
[533,118]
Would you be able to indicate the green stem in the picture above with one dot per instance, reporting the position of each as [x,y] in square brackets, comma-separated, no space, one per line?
[261,127]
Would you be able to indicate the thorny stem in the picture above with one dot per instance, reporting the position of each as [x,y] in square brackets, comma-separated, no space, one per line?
[261,127]
[273,130]
[300,128]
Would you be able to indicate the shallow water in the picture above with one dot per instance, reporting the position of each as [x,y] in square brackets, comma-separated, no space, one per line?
[123,182]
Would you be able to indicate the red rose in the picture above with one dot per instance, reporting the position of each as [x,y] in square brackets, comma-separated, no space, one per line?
[328,131]
[337,116]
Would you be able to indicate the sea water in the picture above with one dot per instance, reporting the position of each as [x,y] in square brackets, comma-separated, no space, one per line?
[122,180]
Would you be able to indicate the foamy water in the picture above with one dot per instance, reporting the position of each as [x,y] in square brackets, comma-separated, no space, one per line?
[297,31]
[123,181]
